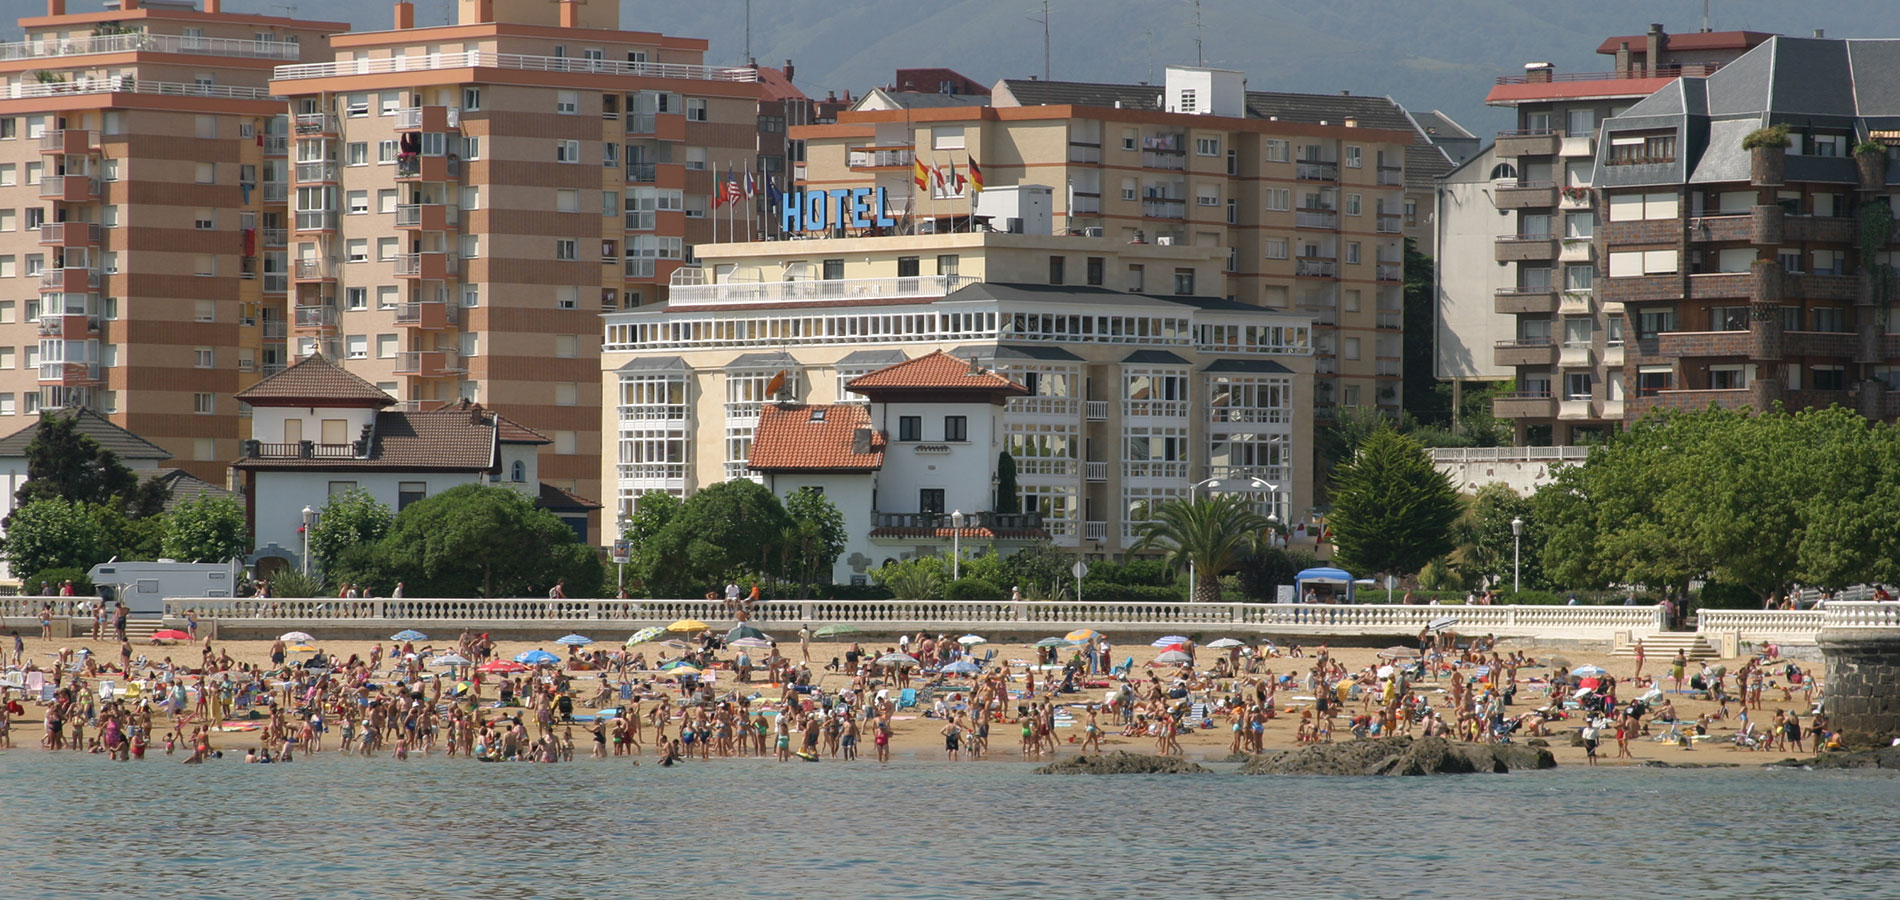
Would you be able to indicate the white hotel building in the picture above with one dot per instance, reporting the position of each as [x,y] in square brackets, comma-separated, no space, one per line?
[1143,380]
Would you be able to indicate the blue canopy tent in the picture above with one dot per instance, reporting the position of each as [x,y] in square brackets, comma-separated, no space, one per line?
[1326,575]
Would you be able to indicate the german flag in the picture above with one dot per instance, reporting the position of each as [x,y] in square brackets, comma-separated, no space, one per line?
[976,175]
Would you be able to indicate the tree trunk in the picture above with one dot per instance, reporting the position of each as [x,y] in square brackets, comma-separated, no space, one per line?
[1206,587]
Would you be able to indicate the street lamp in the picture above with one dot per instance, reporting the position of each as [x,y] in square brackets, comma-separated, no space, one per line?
[956,544]
[1517,554]
[1273,530]
[309,520]
[1229,485]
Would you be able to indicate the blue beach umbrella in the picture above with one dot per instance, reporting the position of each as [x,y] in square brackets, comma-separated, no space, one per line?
[574,640]
[1170,639]
[409,634]
[537,657]
[962,667]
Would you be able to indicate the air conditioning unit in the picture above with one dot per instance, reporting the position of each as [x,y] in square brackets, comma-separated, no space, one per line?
[1166,240]
[1093,231]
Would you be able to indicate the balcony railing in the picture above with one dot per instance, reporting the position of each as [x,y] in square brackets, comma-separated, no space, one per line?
[416,263]
[410,117]
[1085,153]
[1316,268]
[1160,408]
[1095,410]
[1391,175]
[410,215]
[148,43]
[928,520]
[276,145]
[316,220]
[427,314]
[428,363]
[1388,224]
[878,159]
[468,59]
[316,316]
[1316,170]
[313,269]
[643,173]
[642,123]
[1316,219]
[55,141]
[1170,161]
[817,290]
[1388,272]
[316,172]
[316,123]
[55,278]
[1095,531]
[275,330]
[121,84]
[1546,77]
[1095,470]
[69,233]
[276,192]
[1164,208]
[304,450]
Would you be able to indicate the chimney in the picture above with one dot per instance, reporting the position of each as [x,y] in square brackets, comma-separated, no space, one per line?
[788,71]
[484,12]
[405,14]
[860,441]
[570,14]
[128,5]
[1623,59]
[1820,32]
[1352,122]
[213,7]
[55,7]
[1654,48]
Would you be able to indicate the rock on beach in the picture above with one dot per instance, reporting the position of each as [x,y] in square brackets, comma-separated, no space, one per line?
[1121,762]
[1401,756]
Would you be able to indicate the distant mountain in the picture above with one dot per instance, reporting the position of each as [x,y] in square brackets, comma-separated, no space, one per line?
[1425,53]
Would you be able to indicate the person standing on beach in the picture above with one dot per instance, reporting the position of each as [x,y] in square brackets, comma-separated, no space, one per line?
[804,638]
[1677,667]
[1639,657]
[1591,728]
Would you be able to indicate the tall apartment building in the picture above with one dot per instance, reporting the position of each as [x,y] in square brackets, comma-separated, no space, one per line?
[1143,380]
[1526,232]
[141,199]
[470,197]
[1300,196]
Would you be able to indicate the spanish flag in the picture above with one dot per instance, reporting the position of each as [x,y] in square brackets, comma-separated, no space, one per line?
[919,174]
[976,175]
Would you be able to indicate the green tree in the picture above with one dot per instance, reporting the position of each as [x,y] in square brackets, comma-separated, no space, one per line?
[1420,397]
[1487,544]
[54,534]
[646,566]
[1393,510]
[1009,497]
[1213,534]
[482,541]
[814,540]
[349,519]
[917,579]
[1041,571]
[125,537]
[729,530]
[206,529]
[65,463]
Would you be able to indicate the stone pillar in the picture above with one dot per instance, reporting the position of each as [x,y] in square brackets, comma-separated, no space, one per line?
[1765,225]
[1767,165]
[1863,684]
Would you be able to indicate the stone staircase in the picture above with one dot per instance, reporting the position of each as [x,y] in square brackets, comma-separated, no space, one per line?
[1662,646]
[138,629]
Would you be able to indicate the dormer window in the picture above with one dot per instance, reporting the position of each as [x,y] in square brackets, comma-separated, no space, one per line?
[518,472]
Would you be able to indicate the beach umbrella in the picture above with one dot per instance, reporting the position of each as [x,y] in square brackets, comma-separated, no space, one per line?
[296,637]
[962,667]
[536,657]
[688,626]
[752,643]
[835,630]
[1174,657]
[449,659]
[897,659]
[501,665]
[1053,642]
[1081,636]
[644,635]
[1398,653]
[462,687]
[683,671]
[301,648]
[170,634]
[676,645]
[674,664]
[1588,672]
[971,640]
[1181,647]
[1441,623]
[1385,672]
[1223,644]
[743,630]
[1169,639]
[574,640]
[408,634]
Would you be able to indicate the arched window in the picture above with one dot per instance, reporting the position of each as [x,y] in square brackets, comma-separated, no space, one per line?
[519,472]
[1504,172]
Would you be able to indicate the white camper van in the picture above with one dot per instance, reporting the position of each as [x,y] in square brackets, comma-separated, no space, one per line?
[145,586]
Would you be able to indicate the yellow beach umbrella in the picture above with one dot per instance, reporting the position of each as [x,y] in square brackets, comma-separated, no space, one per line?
[1081,636]
[682,671]
[688,626]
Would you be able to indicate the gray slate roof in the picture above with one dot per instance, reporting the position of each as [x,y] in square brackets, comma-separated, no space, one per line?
[123,443]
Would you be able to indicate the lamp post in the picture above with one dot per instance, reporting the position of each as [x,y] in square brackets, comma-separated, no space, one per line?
[1216,485]
[1273,530]
[309,519]
[956,544]
[1517,555]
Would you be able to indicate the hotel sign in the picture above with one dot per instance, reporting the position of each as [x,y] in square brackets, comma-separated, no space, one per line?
[843,208]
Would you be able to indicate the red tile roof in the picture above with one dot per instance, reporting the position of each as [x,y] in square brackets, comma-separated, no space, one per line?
[774,87]
[1506,94]
[314,381]
[561,500]
[816,439]
[937,371]
[452,439]
[1710,40]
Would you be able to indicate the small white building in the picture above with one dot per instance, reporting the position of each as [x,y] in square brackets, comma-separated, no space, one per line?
[318,431]
[136,453]
[901,467]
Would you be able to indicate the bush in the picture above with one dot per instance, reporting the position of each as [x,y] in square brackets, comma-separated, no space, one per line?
[294,583]
[1870,148]
[82,585]
[1716,595]
[1773,136]
[970,590]
[1132,593]
[1134,571]
[1533,598]
[852,592]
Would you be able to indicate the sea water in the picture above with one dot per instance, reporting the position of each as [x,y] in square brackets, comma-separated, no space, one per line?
[332,826]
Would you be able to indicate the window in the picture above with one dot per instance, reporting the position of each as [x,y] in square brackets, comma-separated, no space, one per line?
[472,148]
[356,203]
[1278,151]
[1628,263]
[696,159]
[1651,322]
[1828,318]
[567,200]
[1279,199]
[1353,204]
[1137,279]
[408,492]
[946,138]
[1184,282]
[1580,122]
[386,201]
[356,250]
[1829,378]
[204,264]
[1642,149]
[356,298]
[1351,349]
[204,403]
[356,346]
[566,249]
[470,246]
[357,106]
[567,297]
[1190,101]
[6,405]
[471,99]
[204,358]
[567,346]
[356,153]
[956,428]
[565,443]
[695,110]
[1353,157]
[1056,264]
[9,174]
[1352,253]
[567,103]
[930,500]
[910,428]
[1207,146]
[567,151]
[566,393]
[610,155]
[948,264]
[1275,248]
[207,173]
[1094,270]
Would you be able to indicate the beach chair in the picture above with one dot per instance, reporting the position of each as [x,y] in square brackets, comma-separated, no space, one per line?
[47,694]
[907,698]
[1128,665]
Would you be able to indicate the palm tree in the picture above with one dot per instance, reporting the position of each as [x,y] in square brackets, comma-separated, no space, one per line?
[1211,534]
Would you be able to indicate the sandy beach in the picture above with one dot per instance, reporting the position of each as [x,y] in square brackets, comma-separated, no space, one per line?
[916,735]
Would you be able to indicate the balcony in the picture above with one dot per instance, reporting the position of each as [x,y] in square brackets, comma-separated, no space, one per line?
[1720,228]
[1388,223]
[276,145]
[303,450]
[1636,288]
[1525,352]
[69,142]
[137,42]
[69,373]
[1095,410]
[643,173]
[313,124]
[428,363]
[72,326]
[1316,170]
[1579,407]
[934,521]
[1388,271]
[1689,400]
[427,216]
[1526,247]
[1084,203]
[428,118]
[485,59]
[1526,195]
[276,283]
[1095,530]
[428,168]
[125,84]
[433,266]
[69,188]
[275,330]
[1095,471]
[808,291]
[316,172]
[1391,175]
[1574,303]
[644,267]
[1830,229]
[1173,162]
[1820,286]
[1532,404]
[1164,208]
[1081,152]
[1390,321]
[315,318]
[276,192]
[316,220]
[1167,409]
[1840,344]
[313,270]
[274,237]
[1530,142]
[1316,218]
[878,158]
[69,280]
[1575,356]
[642,123]
[1577,250]
[69,234]
[426,315]
[1525,301]
[1316,268]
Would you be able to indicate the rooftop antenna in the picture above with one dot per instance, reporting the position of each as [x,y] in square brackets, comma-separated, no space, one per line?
[1149,36]
[1200,58]
[290,9]
[1045,39]
[748,31]
[1705,16]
